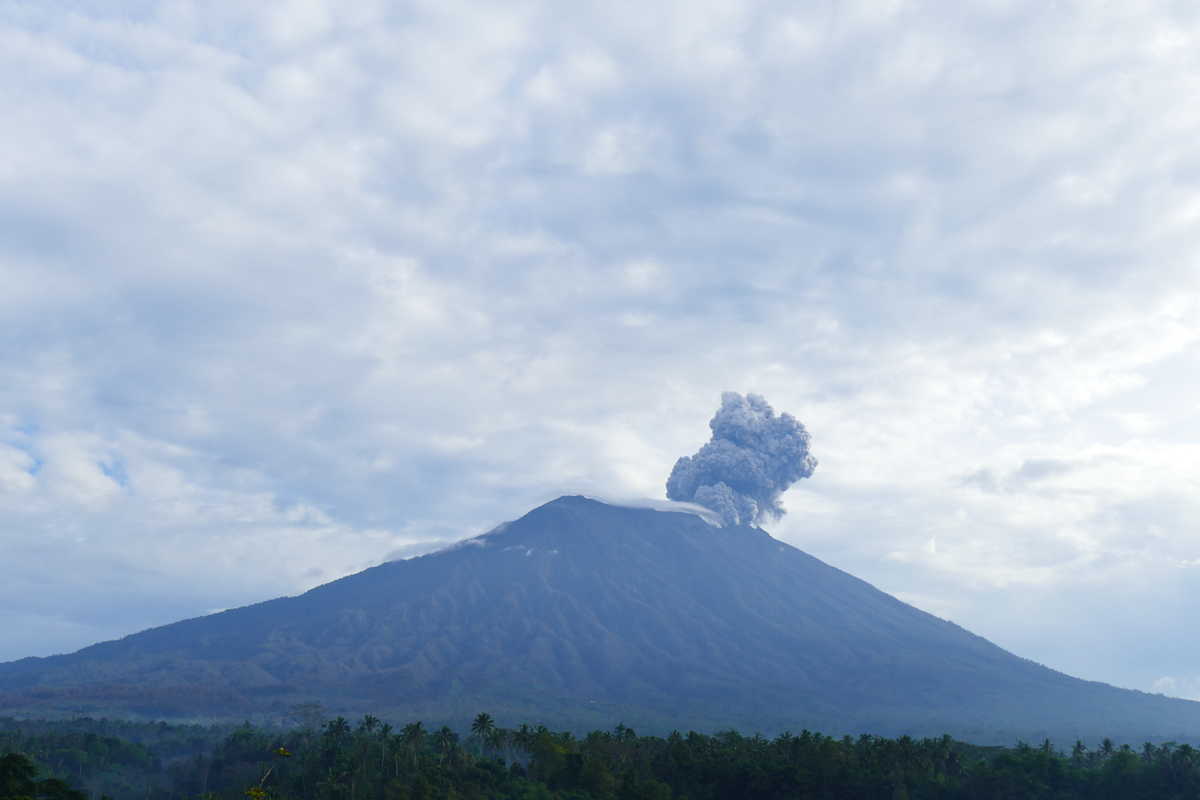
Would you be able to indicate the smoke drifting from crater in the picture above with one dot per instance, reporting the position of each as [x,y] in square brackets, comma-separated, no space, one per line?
[753,457]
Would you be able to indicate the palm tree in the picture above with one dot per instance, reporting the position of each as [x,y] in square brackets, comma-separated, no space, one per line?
[413,737]
[385,735]
[337,728]
[522,738]
[482,727]
[447,741]
[497,741]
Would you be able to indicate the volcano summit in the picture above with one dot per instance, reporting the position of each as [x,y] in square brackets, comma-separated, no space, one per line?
[585,614]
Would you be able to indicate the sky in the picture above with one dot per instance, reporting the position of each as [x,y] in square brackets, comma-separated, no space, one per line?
[294,288]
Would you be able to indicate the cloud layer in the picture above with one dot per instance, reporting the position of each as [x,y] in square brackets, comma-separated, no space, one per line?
[292,287]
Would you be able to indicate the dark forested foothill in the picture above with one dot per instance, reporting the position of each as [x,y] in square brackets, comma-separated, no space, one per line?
[372,759]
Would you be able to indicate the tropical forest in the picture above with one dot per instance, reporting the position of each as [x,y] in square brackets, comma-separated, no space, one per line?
[370,759]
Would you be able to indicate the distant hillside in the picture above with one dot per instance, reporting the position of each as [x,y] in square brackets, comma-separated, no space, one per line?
[584,614]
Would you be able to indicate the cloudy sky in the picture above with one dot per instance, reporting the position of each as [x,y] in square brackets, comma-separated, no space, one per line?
[292,288]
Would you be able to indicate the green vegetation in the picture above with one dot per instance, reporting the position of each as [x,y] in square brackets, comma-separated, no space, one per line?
[105,757]
[19,781]
[372,760]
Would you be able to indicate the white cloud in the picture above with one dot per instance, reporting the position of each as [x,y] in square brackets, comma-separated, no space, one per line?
[1188,687]
[16,470]
[289,289]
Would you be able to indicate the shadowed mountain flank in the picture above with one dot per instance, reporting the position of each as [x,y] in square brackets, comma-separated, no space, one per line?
[584,613]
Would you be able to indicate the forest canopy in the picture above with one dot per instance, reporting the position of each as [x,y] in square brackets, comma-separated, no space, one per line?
[371,759]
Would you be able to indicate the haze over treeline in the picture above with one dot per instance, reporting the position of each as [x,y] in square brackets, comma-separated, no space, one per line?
[370,758]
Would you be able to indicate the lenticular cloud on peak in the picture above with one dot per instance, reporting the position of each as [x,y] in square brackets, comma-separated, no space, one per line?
[753,457]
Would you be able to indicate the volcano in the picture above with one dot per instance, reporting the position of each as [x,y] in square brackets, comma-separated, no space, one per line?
[584,614]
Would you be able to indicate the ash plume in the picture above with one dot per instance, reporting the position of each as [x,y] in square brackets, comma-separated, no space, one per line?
[752,458]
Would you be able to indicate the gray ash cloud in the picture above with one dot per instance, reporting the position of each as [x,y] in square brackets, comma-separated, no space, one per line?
[753,457]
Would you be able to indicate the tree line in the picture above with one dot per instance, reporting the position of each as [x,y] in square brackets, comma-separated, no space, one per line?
[103,757]
[372,760]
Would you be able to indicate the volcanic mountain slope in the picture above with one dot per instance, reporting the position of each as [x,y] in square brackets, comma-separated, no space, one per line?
[585,614]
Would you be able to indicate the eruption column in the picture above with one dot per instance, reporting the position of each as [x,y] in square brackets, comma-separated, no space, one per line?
[752,458]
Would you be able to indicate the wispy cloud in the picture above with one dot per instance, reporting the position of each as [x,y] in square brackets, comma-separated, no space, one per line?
[292,286]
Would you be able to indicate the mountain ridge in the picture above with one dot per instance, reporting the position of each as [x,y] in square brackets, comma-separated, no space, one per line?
[587,613]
